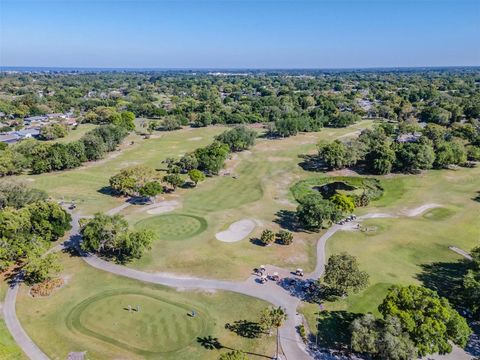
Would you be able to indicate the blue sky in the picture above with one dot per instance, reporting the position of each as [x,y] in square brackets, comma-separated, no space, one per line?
[239,34]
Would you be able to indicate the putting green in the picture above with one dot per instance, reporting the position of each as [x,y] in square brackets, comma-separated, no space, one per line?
[174,226]
[159,327]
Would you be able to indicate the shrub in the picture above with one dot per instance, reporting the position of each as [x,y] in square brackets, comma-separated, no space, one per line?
[267,237]
[285,237]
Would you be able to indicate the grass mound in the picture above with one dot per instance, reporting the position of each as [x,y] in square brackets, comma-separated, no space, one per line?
[159,327]
[349,185]
[174,226]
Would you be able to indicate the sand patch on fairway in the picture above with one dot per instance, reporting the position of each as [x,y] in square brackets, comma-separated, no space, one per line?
[195,138]
[420,210]
[237,231]
[162,207]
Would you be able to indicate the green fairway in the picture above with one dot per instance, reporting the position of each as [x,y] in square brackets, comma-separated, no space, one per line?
[397,250]
[256,186]
[85,184]
[90,313]
[159,326]
[174,226]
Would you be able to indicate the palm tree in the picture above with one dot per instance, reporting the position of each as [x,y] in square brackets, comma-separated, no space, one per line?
[273,317]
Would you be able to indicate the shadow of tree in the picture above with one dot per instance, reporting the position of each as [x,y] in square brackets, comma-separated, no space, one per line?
[446,278]
[477,197]
[107,190]
[312,163]
[334,329]
[245,328]
[287,219]
[209,342]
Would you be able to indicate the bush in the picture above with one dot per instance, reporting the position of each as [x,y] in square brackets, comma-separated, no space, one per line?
[267,237]
[285,237]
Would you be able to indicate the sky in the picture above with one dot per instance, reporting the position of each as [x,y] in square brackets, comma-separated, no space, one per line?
[239,34]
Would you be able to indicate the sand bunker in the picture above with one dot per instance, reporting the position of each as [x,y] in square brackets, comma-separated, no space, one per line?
[195,138]
[163,207]
[237,231]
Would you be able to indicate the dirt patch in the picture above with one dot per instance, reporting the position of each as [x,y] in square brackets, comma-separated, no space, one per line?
[197,138]
[420,210]
[162,207]
[237,231]
[47,287]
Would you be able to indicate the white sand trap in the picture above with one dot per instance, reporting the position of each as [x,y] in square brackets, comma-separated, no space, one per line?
[163,207]
[421,209]
[237,231]
[195,138]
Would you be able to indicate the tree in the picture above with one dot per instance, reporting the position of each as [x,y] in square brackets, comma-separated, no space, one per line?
[394,343]
[151,189]
[365,334]
[238,139]
[343,275]
[343,203]
[131,180]
[171,123]
[285,237]
[174,180]
[212,157]
[315,212]
[187,162]
[196,176]
[344,119]
[18,194]
[286,127]
[267,237]
[273,318]
[336,155]
[381,339]
[429,319]
[48,220]
[471,283]
[126,120]
[111,237]
[448,153]
[412,157]
[53,131]
[39,268]
[233,355]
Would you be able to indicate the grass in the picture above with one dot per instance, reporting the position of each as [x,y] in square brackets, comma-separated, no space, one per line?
[86,184]
[159,327]
[76,134]
[399,250]
[259,190]
[8,348]
[174,226]
[90,313]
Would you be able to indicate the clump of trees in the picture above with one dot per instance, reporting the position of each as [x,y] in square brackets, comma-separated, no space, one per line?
[416,322]
[404,149]
[26,232]
[133,180]
[315,213]
[105,115]
[111,237]
[238,139]
[53,131]
[41,157]
[17,194]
